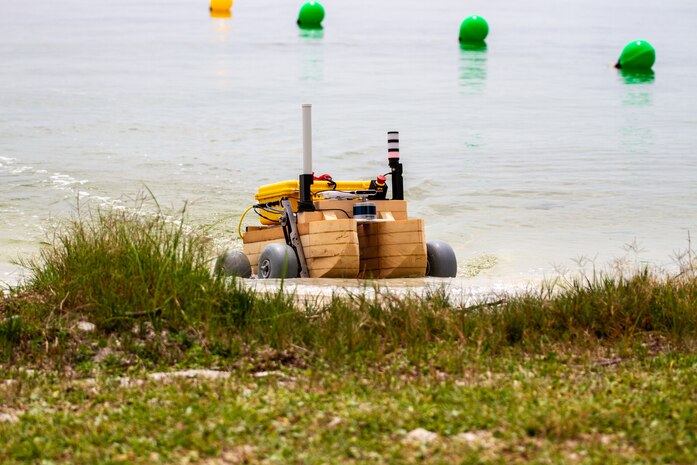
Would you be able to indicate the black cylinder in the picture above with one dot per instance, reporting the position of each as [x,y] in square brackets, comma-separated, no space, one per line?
[305,204]
[397,181]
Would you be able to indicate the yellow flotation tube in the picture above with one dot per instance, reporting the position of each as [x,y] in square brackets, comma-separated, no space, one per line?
[271,193]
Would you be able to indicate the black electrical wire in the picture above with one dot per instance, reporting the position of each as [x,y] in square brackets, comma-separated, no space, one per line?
[326,190]
[336,209]
[268,204]
[265,217]
[267,207]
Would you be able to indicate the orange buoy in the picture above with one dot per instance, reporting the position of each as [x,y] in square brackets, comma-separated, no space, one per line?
[220,5]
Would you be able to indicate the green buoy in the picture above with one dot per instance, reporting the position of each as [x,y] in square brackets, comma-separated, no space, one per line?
[311,15]
[637,55]
[473,30]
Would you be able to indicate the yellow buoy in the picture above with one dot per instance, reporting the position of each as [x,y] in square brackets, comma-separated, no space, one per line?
[220,14]
[221,5]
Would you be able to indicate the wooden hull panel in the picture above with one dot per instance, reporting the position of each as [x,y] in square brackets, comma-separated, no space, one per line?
[331,248]
[392,249]
[344,248]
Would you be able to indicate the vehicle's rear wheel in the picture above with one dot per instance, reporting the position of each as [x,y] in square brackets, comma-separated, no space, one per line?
[442,262]
[233,263]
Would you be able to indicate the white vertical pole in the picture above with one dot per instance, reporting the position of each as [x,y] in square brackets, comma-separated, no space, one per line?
[307,138]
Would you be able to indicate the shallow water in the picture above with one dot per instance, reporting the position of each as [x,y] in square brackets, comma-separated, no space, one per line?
[531,156]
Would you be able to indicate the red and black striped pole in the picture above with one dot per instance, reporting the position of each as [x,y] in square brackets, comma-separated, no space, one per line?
[395,165]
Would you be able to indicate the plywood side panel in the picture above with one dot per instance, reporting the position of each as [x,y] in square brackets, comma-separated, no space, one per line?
[321,251]
[315,227]
[407,261]
[410,237]
[345,248]
[331,248]
[344,261]
[264,234]
[334,272]
[392,249]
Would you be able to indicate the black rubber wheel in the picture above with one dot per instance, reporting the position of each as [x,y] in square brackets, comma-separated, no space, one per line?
[278,261]
[233,263]
[442,262]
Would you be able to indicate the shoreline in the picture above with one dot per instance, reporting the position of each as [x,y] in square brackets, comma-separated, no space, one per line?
[465,291]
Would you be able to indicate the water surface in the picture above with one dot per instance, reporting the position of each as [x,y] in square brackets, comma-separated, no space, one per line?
[529,156]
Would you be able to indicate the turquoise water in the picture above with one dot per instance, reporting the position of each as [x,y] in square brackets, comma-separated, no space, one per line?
[532,156]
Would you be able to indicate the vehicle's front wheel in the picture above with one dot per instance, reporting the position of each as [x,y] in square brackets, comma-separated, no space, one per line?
[278,261]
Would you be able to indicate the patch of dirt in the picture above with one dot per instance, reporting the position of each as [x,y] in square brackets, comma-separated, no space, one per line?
[191,374]
[420,436]
[576,450]
[234,456]
[28,297]
[10,415]
[269,359]
[479,438]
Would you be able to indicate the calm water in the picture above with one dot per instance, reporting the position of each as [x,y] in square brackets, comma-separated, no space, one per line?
[528,157]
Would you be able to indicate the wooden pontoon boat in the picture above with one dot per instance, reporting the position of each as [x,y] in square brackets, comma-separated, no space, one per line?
[320,228]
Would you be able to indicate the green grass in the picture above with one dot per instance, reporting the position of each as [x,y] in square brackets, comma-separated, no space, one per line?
[595,370]
[145,281]
[510,409]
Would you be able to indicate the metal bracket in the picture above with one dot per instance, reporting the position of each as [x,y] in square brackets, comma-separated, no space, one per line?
[289,219]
